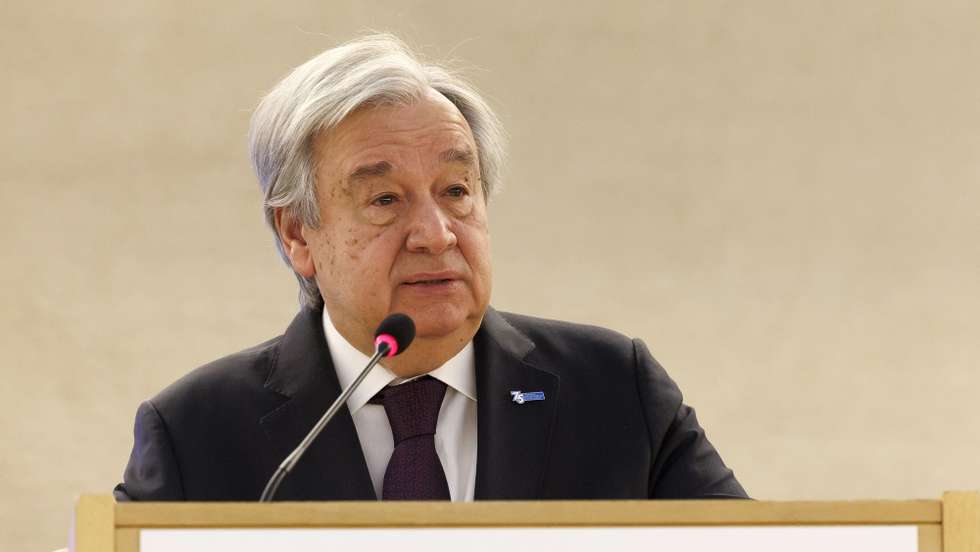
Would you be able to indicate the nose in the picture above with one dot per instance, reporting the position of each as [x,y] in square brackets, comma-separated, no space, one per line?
[429,229]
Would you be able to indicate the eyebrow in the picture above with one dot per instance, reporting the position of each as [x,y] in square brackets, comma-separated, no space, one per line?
[382,168]
[373,170]
[462,156]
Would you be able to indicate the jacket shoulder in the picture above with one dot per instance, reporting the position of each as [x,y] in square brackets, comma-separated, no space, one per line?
[570,340]
[230,378]
[535,326]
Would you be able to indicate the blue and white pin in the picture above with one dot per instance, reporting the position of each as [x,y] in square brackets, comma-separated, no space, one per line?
[521,397]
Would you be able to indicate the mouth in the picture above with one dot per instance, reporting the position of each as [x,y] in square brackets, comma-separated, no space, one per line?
[430,282]
[433,282]
[431,278]
[447,281]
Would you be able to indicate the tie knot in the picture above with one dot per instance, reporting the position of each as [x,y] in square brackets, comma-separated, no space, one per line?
[413,407]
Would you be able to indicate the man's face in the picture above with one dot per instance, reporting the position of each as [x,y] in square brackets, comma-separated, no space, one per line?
[403,221]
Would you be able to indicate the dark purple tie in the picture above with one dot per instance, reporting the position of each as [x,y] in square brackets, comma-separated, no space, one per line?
[414,471]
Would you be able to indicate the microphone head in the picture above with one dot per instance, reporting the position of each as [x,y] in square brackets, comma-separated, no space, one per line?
[396,331]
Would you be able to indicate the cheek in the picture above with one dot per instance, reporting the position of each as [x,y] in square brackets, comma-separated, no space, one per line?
[338,249]
[323,253]
[350,248]
[463,208]
[369,253]
[474,243]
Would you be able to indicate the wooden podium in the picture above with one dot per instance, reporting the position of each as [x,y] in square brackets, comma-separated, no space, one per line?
[948,525]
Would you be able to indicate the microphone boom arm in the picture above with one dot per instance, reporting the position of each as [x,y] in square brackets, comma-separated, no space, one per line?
[290,462]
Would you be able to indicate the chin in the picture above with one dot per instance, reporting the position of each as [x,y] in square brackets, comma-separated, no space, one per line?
[434,321]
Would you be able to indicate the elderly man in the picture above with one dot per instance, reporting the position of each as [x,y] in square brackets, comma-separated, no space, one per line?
[377,170]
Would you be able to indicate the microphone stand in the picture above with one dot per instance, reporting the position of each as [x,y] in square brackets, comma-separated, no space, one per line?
[290,462]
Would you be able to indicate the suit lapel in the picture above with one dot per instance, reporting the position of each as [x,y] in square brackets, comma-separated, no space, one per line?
[512,439]
[333,468]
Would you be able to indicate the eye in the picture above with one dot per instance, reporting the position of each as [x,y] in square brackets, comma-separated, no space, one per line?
[457,191]
[384,200]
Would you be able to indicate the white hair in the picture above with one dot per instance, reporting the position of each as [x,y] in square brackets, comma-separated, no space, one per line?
[316,96]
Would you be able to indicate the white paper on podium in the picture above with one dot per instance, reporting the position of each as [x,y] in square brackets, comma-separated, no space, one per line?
[897,538]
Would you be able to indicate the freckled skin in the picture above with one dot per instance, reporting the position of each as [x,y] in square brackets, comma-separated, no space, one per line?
[425,215]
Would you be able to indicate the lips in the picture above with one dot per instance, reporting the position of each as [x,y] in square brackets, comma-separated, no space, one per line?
[431,278]
[429,282]
[432,287]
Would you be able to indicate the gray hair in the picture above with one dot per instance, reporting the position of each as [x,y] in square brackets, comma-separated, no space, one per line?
[316,96]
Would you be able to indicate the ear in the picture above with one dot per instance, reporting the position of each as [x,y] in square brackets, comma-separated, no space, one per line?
[290,231]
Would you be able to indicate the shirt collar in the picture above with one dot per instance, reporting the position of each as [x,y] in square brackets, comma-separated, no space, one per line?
[458,372]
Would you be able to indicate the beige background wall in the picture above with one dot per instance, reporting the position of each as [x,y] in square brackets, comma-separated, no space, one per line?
[779,197]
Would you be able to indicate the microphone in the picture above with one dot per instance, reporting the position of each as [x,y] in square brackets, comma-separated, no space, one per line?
[393,336]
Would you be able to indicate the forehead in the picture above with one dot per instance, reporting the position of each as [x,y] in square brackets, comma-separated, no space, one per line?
[397,134]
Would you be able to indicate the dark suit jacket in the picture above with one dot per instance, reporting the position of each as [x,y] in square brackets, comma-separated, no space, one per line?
[612,424]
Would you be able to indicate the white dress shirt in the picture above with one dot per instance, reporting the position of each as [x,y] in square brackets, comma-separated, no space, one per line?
[455,430]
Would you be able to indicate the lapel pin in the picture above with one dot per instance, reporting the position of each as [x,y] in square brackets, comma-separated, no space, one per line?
[521,397]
